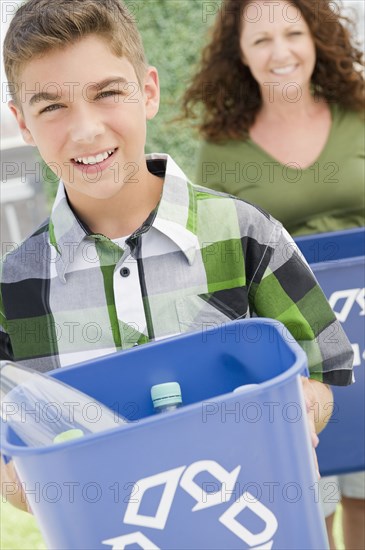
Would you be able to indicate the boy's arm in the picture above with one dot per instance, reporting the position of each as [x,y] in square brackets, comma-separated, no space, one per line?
[6,352]
[11,488]
[288,291]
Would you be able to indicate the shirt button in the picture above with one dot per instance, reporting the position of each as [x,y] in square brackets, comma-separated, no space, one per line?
[125,272]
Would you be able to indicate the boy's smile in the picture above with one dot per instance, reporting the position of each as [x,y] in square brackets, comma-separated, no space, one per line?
[93,159]
[94,163]
[83,107]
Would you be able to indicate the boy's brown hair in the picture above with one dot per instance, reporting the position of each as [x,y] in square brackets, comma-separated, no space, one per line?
[40,26]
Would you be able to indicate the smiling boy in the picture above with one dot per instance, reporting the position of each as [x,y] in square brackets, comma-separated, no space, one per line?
[134,252]
[93,133]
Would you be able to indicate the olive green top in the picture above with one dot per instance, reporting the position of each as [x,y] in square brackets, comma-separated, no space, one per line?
[327,196]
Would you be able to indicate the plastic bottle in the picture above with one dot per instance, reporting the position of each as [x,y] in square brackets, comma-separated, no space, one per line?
[42,410]
[166,397]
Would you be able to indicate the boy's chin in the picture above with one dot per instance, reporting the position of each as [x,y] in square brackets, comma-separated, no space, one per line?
[95,191]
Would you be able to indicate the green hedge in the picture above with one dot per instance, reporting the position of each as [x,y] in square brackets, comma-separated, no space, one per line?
[173,32]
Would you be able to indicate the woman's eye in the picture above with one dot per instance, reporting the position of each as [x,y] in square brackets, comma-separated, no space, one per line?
[295,33]
[261,40]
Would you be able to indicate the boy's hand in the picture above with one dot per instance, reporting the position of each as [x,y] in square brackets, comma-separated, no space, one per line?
[314,404]
[11,487]
[309,396]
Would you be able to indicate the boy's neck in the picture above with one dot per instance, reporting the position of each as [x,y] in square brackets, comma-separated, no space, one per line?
[122,214]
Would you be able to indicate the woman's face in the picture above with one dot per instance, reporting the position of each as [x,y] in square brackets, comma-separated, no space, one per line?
[278,47]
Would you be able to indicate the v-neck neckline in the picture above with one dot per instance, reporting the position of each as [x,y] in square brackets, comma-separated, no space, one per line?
[316,160]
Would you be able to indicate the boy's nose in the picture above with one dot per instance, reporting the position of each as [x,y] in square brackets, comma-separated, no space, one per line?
[86,127]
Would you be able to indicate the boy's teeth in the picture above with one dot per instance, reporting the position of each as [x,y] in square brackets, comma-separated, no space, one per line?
[96,159]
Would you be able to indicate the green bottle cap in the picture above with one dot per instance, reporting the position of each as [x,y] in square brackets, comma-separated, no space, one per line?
[68,435]
[166,394]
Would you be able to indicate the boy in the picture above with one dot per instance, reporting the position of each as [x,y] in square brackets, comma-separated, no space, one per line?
[132,251]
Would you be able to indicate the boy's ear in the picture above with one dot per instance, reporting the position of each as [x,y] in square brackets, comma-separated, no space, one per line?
[151,92]
[17,112]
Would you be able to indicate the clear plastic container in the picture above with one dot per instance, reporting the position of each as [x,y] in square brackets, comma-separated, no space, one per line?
[42,410]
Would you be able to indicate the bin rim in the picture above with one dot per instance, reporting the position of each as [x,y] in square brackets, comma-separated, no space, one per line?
[346,238]
[333,234]
[347,262]
[299,367]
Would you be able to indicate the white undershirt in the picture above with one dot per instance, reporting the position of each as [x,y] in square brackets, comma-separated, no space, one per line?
[120,241]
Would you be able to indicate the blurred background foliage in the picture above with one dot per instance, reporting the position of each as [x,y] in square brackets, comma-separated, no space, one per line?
[174,32]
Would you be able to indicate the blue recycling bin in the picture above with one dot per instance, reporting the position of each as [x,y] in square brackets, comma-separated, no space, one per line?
[338,261]
[227,470]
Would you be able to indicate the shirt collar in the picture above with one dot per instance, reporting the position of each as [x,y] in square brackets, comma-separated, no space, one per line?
[175,216]
[176,213]
[66,233]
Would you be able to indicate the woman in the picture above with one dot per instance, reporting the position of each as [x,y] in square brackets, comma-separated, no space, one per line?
[280,92]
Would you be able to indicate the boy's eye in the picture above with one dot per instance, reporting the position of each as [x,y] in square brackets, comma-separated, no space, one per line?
[50,108]
[108,93]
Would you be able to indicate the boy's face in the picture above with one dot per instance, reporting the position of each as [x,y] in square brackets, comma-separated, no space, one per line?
[85,111]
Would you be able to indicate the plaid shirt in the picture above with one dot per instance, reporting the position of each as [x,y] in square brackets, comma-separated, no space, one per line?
[201,259]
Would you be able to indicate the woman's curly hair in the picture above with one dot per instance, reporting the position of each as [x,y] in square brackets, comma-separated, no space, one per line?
[229,96]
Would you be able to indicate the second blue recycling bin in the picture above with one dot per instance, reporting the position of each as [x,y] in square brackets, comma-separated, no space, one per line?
[338,261]
[227,470]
